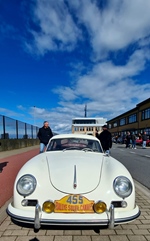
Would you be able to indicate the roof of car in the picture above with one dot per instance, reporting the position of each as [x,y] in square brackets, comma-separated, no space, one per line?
[83,136]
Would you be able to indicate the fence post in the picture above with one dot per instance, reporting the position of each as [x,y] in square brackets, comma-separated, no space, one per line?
[4,127]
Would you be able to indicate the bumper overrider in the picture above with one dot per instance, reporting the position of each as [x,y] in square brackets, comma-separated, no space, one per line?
[109,219]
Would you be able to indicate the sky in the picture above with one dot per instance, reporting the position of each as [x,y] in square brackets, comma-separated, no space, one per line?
[56,56]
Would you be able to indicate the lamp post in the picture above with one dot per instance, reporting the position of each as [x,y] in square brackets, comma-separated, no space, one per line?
[34,116]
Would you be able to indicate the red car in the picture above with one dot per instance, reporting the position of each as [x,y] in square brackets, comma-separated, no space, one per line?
[140,142]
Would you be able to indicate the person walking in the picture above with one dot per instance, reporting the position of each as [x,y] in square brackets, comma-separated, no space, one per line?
[128,138]
[44,134]
[105,139]
[133,138]
[144,138]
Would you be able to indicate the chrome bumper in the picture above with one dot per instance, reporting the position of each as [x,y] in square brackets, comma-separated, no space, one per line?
[37,220]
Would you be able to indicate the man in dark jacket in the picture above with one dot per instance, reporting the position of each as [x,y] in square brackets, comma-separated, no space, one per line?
[105,139]
[44,134]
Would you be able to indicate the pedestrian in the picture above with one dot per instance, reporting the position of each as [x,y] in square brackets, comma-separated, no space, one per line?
[133,139]
[105,139]
[128,138]
[96,134]
[44,134]
[144,138]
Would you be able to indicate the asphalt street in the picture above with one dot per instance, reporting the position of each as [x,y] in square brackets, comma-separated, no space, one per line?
[137,161]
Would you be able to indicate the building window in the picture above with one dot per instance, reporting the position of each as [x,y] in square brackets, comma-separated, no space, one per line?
[115,124]
[109,126]
[146,114]
[132,118]
[122,122]
[81,128]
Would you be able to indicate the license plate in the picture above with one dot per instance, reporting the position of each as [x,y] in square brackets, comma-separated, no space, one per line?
[74,204]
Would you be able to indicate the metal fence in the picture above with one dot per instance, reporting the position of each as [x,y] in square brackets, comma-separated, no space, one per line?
[14,129]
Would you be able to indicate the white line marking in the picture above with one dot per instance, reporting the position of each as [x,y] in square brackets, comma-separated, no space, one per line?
[132,152]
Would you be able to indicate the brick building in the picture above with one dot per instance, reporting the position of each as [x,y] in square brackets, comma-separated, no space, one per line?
[136,120]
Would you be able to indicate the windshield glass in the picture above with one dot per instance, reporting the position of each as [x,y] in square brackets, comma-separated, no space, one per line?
[74,144]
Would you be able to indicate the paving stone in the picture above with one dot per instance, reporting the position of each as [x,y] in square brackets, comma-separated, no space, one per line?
[19,232]
[145,221]
[107,232]
[136,238]
[137,221]
[39,233]
[4,225]
[100,238]
[63,238]
[82,238]
[8,238]
[130,226]
[54,232]
[125,232]
[72,232]
[141,232]
[13,226]
[7,232]
[119,238]
[143,226]
[33,238]
[147,237]
[90,232]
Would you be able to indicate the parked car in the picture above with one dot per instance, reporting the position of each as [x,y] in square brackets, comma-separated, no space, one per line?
[140,142]
[73,183]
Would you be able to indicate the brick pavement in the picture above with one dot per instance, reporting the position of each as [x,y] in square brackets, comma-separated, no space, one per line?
[138,230]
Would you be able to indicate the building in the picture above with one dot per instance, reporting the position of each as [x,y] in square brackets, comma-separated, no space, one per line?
[87,125]
[136,120]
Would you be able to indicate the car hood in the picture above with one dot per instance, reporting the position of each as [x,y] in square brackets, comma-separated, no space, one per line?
[75,171]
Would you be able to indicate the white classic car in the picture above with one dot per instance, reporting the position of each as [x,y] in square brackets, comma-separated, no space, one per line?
[73,183]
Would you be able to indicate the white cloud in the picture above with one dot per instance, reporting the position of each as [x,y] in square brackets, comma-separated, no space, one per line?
[57,28]
[107,87]
[115,27]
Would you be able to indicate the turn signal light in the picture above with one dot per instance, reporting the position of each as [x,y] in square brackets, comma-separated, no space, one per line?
[48,207]
[100,207]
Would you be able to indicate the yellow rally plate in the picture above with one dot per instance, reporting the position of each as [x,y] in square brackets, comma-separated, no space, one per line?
[74,204]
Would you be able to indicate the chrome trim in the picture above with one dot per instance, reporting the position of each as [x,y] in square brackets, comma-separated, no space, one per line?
[112,217]
[75,178]
[72,222]
[37,224]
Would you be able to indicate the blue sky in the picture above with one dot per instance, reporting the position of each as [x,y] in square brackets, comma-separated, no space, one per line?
[57,56]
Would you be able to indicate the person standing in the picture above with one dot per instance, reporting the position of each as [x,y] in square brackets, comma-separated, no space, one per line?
[105,139]
[128,138]
[144,138]
[133,138]
[44,134]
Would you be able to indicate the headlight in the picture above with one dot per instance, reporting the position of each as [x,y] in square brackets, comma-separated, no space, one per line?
[122,186]
[26,185]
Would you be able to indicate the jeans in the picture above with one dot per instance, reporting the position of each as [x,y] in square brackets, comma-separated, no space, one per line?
[133,143]
[107,152]
[42,147]
[144,144]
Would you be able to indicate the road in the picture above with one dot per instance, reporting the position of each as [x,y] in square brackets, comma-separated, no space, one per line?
[137,161]
[10,164]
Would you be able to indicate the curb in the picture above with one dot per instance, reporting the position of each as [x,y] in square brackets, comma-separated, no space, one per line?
[142,188]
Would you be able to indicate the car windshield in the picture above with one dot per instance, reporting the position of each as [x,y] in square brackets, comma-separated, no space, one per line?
[74,144]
